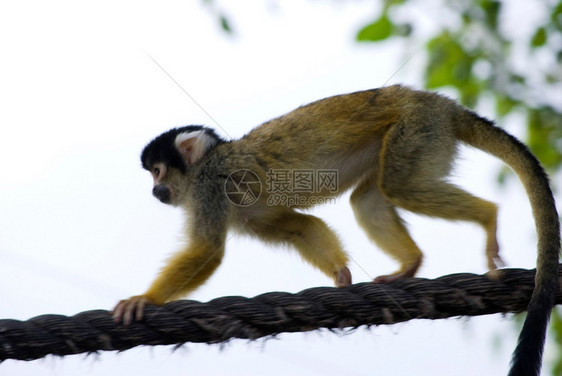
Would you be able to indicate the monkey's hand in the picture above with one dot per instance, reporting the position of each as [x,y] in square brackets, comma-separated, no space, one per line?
[127,308]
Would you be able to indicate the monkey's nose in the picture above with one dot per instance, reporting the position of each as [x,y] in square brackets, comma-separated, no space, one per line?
[162,193]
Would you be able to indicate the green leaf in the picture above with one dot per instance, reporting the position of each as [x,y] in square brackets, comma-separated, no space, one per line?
[504,104]
[470,92]
[556,16]
[439,68]
[225,24]
[545,128]
[556,328]
[379,30]
[539,39]
[492,10]
[449,63]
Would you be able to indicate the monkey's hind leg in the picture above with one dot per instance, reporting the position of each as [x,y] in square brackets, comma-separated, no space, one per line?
[378,217]
[414,163]
[314,240]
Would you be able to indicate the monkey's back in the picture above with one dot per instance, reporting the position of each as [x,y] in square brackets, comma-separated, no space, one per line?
[336,125]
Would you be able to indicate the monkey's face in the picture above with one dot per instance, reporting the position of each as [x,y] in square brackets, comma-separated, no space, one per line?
[169,184]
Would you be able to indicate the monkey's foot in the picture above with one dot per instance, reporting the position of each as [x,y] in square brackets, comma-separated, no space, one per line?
[495,263]
[493,255]
[126,309]
[343,277]
[406,273]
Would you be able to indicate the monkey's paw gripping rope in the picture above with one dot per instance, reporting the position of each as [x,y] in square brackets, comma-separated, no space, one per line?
[272,313]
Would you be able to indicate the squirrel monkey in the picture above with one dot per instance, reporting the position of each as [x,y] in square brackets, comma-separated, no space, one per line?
[393,146]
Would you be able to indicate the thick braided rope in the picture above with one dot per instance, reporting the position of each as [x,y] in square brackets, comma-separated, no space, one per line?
[225,318]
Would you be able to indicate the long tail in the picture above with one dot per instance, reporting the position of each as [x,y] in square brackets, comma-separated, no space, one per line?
[483,134]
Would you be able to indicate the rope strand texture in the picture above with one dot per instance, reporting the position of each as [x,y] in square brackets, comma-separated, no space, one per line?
[269,314]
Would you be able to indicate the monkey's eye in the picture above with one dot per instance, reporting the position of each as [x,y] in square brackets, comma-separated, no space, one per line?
[156,171]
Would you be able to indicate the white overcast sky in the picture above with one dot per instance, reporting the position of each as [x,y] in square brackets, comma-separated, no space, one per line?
[79,230]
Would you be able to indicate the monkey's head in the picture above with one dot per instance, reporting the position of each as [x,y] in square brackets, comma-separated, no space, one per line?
[170,157]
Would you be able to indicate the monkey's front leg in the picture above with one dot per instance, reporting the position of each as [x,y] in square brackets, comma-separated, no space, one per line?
[185,271]
[314,240]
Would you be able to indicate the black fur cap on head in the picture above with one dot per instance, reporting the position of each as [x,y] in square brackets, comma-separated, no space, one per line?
[163,150]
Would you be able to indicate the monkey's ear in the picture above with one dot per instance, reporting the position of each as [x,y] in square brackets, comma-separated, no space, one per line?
[194,145]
